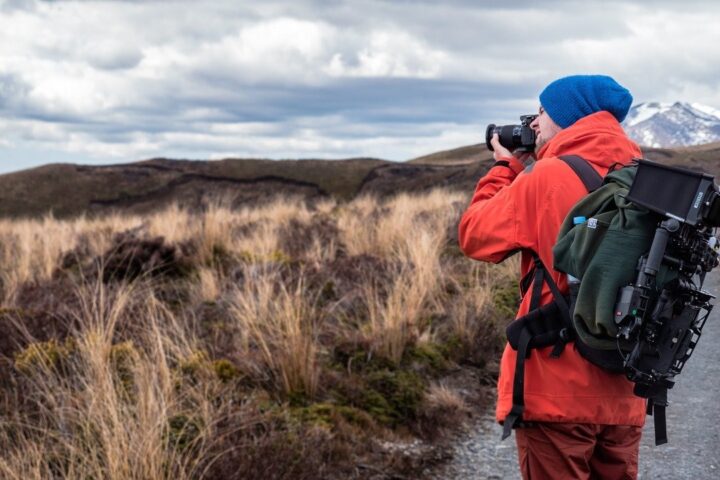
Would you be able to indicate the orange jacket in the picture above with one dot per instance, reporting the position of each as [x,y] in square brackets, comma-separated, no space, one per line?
[519,209]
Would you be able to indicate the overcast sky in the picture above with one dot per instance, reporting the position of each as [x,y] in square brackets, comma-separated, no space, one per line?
[116,81]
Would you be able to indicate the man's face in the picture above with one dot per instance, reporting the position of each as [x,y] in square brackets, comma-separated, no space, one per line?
[545,128]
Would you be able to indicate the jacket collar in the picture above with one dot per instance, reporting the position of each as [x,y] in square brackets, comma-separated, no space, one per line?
[598,138]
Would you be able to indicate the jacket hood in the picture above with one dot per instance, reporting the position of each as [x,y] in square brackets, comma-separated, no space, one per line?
[582,139]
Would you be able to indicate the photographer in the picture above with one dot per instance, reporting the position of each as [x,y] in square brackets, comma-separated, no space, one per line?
[578,421]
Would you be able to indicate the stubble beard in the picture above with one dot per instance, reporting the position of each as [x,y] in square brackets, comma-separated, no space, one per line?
[539,142]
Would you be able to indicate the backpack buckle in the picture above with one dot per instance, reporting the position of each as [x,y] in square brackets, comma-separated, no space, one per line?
[564,334]
[564,337]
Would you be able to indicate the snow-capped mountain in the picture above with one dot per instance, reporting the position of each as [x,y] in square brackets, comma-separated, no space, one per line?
[676,124]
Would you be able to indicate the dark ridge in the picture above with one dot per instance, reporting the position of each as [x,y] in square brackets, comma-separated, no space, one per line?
[187,178]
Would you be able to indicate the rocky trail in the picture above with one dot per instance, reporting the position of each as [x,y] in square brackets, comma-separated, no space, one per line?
[694,436]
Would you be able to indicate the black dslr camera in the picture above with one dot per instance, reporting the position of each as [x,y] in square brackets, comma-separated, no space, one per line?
[513,137]
[664,323]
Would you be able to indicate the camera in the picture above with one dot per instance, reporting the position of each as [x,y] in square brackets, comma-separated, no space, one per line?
[665,323]
[513,137]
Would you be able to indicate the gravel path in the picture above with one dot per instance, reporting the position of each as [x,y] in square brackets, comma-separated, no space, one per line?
[693,433]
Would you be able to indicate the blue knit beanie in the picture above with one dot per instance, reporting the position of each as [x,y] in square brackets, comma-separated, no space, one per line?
[569,99]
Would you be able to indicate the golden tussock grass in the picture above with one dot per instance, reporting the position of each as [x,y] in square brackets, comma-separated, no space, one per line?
[154,375]
[103,408]
[279,321]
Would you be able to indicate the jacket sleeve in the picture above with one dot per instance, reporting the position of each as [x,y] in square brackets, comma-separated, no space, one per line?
[499,220]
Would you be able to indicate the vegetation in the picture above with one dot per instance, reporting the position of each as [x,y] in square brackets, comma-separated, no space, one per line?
[293,340]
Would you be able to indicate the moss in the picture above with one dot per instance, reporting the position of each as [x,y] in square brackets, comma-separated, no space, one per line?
[453,347]
[297,398]
[51,354]
[196,367]
[317,414]
[403,391]
[389,393]
[225,370]
[354,416]
[427,355]
[354,357]
[328,415]
[377,406]
[182,431]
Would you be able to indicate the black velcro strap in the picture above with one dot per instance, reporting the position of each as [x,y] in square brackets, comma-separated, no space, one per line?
[515,415]
[656,408]
[660,424]
[502,163]
[590,178]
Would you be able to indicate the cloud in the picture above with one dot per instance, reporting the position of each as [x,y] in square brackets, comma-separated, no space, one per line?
[122,80]
[113,56]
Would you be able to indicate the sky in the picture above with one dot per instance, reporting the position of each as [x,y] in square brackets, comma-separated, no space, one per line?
[106,82]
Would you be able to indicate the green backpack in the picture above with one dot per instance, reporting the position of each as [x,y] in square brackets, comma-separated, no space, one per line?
[600,242]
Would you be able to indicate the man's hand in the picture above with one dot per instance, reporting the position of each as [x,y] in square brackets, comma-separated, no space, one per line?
[498,150]
[501,152]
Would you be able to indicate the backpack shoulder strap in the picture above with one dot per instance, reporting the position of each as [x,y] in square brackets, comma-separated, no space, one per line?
[590,178]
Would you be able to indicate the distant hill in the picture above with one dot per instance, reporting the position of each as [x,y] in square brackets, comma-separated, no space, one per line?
[69,190]
[140,187]
[456,156]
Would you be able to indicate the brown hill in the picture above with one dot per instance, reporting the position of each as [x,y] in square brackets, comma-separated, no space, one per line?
[69,190]
[456,156]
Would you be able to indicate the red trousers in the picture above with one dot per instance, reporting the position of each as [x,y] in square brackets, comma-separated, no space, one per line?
[574,451]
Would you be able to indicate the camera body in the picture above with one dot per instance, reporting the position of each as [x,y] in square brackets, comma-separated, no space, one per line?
[513,137]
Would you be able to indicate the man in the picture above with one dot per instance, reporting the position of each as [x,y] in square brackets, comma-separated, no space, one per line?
[579,421]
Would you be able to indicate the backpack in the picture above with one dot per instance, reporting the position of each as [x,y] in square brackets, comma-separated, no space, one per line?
[603,245]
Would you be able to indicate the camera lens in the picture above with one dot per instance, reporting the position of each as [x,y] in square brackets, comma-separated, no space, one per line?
[512,137]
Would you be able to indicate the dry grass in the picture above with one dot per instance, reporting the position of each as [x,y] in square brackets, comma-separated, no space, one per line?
[230,363]
[386,228]
[208,287]
[104,408]
[30,250]
[279,321]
